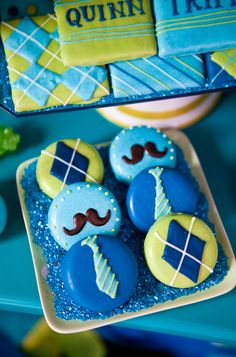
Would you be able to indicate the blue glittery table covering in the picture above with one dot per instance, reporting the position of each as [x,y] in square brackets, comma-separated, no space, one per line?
[149,292]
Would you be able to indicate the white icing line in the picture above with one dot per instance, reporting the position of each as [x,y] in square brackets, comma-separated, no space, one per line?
[70,163]
[165,73]
[66,163]
[37,84]
[125,83]
[29,37]
[181,251]
[184,252]
[37,77]
[79,70]
[78,85]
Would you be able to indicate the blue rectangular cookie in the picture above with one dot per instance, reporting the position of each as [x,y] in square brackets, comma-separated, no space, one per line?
[194,26]
[152,75]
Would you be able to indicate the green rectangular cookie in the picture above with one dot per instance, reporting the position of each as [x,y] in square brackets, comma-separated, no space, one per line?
[37,74]
[93,32]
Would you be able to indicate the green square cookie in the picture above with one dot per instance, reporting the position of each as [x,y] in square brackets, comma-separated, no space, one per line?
[94,32]
[37,74]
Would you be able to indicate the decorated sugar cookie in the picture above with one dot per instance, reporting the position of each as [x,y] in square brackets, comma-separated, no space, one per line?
[180,250]
[95,32]
[137,148]
[3,214]
[37,74]
[81,210]
[194,26]
[99,273]
[156,192]
[65,162]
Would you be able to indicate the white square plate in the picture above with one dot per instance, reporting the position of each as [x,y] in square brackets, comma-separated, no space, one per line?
[72,326]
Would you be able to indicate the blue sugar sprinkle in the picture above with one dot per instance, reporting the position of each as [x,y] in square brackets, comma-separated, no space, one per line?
[149,291]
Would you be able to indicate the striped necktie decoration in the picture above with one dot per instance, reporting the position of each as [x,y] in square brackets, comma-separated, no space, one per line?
[105,278]
[162,205]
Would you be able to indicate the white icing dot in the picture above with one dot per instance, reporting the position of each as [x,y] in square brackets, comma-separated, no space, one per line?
[117,138]
[172,158]
[172,150]
[112,200]
[117,219]
[169,142]
[88,185]
[100,188]
[123,132]
[164,135]
[78,188]
[55,206]
[54,227]
[58,237]
[114,155]
[115,209]
[68,191]
[106,193]
[113,230]
[62,199]
[158,130]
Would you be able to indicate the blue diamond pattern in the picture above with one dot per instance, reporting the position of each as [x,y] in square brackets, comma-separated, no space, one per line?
[33,47]
[76,79]
[216,74]
[177,236]
[59,169]
[38,83]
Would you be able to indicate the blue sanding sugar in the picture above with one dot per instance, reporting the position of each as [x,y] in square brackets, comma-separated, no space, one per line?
[149,291]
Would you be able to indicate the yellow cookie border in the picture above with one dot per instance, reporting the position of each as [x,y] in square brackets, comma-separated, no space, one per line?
[52,185]
[154,250]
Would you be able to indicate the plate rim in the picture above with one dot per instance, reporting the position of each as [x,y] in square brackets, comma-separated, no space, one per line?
[74,326]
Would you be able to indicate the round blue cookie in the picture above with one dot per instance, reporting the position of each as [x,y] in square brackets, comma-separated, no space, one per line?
[99,273]
[81,210]
[156,192]
[138,148]
[3,214]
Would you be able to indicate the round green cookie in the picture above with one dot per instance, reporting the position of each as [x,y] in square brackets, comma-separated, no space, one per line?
[65,162]
[180,250]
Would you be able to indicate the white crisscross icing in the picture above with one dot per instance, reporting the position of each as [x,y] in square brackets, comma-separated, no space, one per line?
[69,164]
[184,252]
[53,56]
[231,59]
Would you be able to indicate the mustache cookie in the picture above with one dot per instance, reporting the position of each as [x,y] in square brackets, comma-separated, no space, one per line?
[138,148]
[81,210]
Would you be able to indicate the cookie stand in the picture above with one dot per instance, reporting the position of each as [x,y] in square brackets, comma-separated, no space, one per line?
[43,40]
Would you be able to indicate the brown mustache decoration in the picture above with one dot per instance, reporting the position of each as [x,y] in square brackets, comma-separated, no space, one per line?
[137,152]
[91,216]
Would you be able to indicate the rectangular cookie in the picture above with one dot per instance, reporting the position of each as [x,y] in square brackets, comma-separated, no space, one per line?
[103,31]
[194,26]
[37,74]
[152,75]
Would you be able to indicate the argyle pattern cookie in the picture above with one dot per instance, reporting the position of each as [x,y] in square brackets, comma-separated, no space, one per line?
[152,75]
[226,60]
[179,241]
[217,75]
[37,75]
